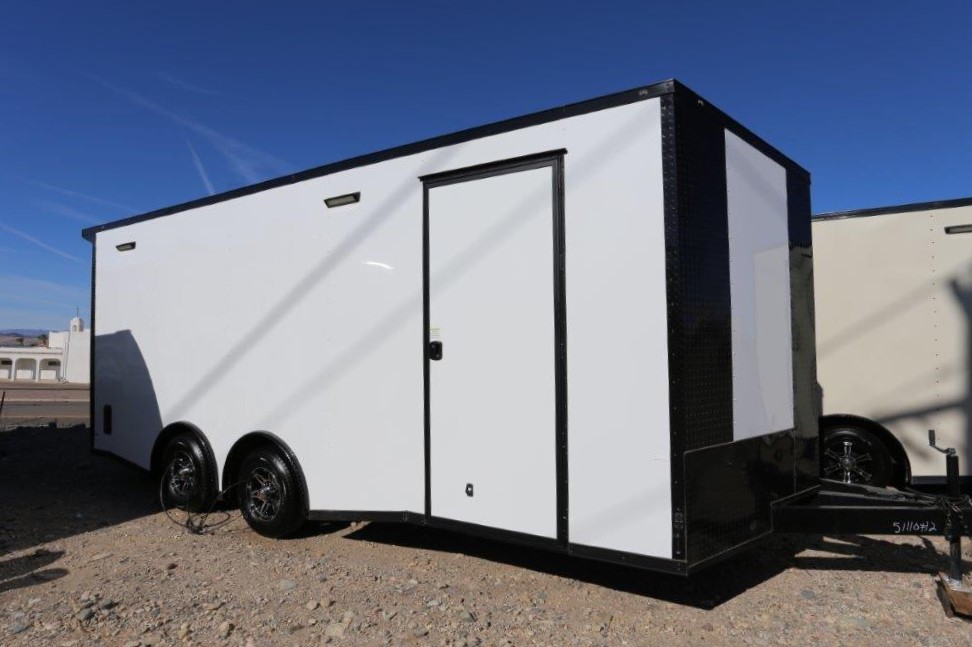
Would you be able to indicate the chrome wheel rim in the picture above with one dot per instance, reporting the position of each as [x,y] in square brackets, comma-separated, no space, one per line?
[182,475]
[263,494]
[848,462]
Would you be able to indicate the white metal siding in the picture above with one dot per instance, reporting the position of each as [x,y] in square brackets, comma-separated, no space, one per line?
[617,340]
[759,275]
[216,305]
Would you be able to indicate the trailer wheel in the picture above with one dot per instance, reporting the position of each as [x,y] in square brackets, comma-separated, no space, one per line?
[187,480]
[268,494]
[855,455]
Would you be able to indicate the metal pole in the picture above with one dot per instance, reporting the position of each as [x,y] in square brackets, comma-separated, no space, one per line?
[952,475]
[955,530]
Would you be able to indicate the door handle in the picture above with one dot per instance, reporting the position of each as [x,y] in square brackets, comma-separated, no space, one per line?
[435,351]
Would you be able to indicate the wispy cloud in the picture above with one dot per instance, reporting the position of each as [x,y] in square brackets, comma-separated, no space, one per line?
[23,298]
[179,84]
[74,194]
[68,212]
[39,243]
[252,164]
[35,303]
[200,168]
[49,289]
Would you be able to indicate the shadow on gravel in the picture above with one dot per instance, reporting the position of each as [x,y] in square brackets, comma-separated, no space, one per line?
[318,528]
[706,590]
[52,486]
[859,553]
[27,570]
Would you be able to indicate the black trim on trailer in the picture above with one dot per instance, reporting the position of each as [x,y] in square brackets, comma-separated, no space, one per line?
[555,160]
[93,355]
[806,414]
[607,555]
[897,208]
[672,287]
[426,355]
[489,169]
[499,534]
[641,93]
[560,341]
[610,556]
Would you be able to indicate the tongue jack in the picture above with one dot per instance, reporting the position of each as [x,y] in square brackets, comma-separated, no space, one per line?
[954,592]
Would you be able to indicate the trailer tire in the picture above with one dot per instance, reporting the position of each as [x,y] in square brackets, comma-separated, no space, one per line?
[187,480]
[269,495]
[855,455]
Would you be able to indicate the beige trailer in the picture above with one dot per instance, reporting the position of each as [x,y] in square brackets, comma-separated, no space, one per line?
[893,291]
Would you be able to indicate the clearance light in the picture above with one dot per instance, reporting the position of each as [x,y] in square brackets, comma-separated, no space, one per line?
[959,229]
[341,200]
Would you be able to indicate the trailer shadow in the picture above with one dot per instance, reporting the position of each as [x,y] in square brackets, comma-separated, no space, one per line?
[53,487]
[708,589]
[870,554]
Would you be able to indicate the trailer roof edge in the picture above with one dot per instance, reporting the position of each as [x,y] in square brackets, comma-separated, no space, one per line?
[896,208]
[640,93]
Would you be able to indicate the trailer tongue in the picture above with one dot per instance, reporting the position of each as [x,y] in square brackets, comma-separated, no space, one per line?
[840,508]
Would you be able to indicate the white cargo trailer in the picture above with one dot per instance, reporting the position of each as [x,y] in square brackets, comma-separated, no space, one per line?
[588,329]
[894,303]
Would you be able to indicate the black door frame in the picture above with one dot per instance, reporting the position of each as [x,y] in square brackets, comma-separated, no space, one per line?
[554,160]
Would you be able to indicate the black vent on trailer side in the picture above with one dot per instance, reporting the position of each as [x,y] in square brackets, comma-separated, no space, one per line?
[106,419]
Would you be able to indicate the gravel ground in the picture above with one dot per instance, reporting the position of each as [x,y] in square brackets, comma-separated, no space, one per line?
[87,558]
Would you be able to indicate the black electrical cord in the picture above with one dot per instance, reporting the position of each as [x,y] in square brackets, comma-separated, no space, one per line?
[195,523]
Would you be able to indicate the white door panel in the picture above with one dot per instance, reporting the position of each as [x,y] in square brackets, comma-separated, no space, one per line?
[492,395]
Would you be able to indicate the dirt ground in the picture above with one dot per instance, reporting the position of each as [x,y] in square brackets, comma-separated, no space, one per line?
[87,558]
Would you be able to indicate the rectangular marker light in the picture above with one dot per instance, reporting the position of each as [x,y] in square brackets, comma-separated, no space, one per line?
[124,247]
[959,229]
[341,200]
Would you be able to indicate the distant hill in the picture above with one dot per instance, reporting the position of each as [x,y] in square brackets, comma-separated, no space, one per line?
[23,332]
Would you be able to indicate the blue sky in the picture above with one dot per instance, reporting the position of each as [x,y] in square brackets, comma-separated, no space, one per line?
[108,110]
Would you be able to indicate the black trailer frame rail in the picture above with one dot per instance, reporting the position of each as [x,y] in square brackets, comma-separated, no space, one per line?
[839,508]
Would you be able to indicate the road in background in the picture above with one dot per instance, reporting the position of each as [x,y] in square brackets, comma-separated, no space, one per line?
[37,403]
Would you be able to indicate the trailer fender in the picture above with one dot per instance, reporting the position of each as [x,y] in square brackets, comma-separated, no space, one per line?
[171,431]
[255,439]
[902,472]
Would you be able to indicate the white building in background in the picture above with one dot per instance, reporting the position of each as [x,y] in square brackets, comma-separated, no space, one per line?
[65,359]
